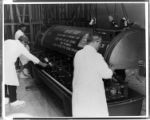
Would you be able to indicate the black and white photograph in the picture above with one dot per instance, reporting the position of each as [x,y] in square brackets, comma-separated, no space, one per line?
[75,60]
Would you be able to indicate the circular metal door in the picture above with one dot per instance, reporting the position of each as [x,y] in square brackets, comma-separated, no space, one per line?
[127,49]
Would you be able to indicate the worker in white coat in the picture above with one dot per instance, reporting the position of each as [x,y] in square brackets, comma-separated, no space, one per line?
[21,31]
[12,50]
[23,60]
[88,99]
[24,71]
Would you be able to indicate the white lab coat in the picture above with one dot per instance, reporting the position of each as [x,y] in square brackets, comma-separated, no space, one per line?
[12,50]
[24,60]
[18,34]
[88,99]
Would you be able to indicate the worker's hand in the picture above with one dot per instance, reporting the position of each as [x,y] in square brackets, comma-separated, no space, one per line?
[43,64]
[51,64]
[48,62]
[114,79]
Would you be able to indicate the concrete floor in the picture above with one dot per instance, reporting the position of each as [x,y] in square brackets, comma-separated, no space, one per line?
[38,102]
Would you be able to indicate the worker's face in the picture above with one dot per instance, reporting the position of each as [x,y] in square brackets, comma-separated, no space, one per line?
[23,42]
[23,29]
[97,42]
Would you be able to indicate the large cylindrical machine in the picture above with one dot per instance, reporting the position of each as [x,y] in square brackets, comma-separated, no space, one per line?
[122,49]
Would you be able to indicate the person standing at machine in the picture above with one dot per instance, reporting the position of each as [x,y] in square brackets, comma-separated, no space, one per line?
[22,61]
[88,99]
[12,50]
[21,31]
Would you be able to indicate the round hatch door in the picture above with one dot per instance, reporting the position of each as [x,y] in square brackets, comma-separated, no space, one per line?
[126,49]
